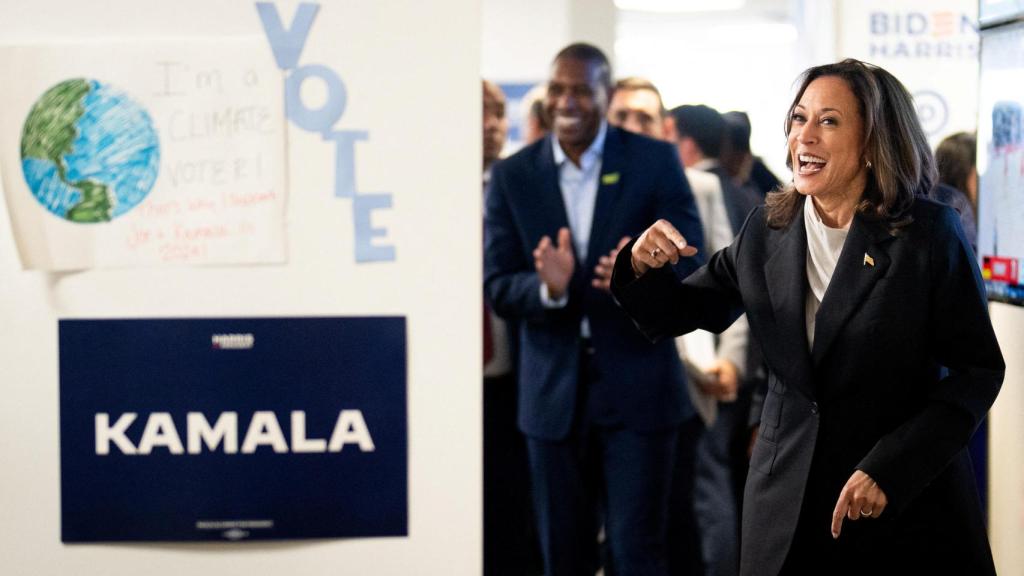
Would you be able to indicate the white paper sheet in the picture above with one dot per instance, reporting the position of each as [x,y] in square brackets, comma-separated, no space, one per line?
[697,350]
[144,153]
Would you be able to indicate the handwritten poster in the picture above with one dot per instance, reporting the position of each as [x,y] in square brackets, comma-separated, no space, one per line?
[144,153]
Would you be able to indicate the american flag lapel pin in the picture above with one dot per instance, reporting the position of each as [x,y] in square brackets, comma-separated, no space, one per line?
[868,260]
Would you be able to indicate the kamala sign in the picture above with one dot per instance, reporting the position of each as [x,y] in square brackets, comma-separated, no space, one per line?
[211,429]
[263,430]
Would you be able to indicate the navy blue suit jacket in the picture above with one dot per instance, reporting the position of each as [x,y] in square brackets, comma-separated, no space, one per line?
[642,383]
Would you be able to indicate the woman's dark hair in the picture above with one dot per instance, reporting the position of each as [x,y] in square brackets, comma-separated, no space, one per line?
[956,158]
[901,161]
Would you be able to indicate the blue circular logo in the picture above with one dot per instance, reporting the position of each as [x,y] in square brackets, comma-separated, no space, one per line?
[932,111]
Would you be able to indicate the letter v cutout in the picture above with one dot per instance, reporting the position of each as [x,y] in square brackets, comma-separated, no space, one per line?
[287,44]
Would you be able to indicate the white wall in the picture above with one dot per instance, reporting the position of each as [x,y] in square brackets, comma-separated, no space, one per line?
[730,60]
[520,37]
[412,73]
[726,60]
[1006,446]
[594,21]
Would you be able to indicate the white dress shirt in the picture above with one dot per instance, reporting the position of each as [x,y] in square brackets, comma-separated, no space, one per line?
[824,245]
[578,185]
[579,188]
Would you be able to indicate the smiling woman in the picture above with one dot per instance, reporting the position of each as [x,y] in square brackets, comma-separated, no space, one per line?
[872,319]
[863,146]
[826,148]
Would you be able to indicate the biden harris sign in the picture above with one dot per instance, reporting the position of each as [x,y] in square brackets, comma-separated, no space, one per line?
[232,429]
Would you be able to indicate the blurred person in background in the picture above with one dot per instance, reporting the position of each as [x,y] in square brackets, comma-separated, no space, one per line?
[637,106]
[701,134]
[495,124]
[510,540]
[536,123]
[956,159]
[599,404]
[739,162]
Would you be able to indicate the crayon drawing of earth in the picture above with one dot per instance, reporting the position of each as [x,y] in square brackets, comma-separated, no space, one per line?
[88,151]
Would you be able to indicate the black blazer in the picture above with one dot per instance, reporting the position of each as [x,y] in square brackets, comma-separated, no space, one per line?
[872,394]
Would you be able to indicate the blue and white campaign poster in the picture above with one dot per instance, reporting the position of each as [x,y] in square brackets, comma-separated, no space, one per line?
[930,45]
[213,429]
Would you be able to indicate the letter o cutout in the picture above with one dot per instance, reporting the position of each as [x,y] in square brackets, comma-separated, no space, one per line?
[321,119]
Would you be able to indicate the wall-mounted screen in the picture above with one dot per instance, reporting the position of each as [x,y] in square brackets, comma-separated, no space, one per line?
[1001,162]
[992,12]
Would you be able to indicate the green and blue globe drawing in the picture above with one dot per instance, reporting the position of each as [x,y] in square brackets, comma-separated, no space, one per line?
[88,151]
